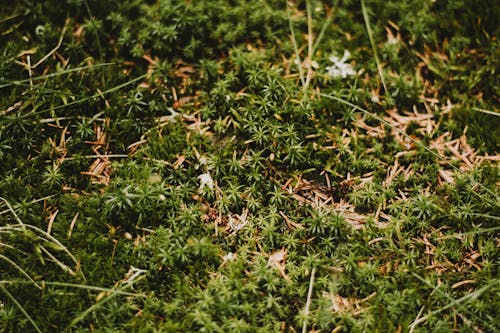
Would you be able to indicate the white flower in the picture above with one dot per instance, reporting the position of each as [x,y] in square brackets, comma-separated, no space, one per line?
[206,180]
[229,257]
[340,69]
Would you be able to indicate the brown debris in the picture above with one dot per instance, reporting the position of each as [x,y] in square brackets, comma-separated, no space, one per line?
[60,149]
[290,223]
[51,218]
[317,196]
[100,169]
[15,106]
[277,261]
[448,148]
[342,304]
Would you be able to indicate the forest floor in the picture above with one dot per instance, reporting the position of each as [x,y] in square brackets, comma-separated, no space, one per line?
[249,166]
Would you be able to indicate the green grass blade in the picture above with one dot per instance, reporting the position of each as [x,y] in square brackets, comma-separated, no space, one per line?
[94,307]
[23,272]
[48,76]
[75,285]
[370,36]
[21,308]
[459,303]
[95,96]
[326,24]
[295,46]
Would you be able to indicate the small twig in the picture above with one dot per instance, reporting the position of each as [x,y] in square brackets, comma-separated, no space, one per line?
[308,302]
[55,48]
[417,318]
[30,71]
[72,225]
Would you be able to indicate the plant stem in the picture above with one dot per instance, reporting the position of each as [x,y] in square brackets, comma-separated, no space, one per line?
[309,296]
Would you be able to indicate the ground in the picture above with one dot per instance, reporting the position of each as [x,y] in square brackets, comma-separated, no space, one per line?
[249,166]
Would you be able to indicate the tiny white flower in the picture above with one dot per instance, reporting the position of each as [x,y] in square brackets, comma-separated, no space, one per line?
[340,69]
[206,180]
[162,197]
[229,257]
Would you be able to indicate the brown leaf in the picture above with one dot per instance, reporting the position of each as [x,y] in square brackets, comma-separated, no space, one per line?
[277,260]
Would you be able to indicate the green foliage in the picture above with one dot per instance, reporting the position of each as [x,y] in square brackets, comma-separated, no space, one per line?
[171,166]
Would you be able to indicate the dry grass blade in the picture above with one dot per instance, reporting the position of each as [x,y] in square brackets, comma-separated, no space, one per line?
[52,75]
[493,113]
[309,298]
[328,21]
[44,236]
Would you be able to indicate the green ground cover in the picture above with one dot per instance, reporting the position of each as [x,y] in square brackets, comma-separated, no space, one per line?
[249,166]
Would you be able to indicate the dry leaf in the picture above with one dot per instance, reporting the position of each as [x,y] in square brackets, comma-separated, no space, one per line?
[277,261]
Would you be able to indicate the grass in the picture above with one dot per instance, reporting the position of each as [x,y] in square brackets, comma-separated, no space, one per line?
[238,166]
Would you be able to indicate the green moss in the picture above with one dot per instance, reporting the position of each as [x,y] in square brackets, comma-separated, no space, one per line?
[169,167]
